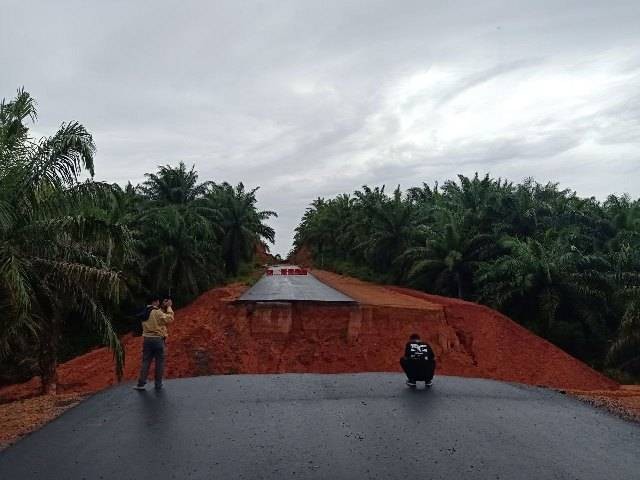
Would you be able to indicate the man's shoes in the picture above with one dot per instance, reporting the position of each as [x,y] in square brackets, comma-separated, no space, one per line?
[158,388]
[139,387]
[428,384]
[411,384]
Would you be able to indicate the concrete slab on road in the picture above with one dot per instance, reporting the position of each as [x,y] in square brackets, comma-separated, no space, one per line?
[329,426]
[293,288]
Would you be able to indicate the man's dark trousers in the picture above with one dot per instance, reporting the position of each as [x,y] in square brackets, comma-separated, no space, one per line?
[418,370]
[152,349]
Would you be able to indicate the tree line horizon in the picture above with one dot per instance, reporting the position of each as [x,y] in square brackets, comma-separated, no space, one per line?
[563,266]
[78,257]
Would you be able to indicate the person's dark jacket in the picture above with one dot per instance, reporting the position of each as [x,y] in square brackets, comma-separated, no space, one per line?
[418,350]
[419,361]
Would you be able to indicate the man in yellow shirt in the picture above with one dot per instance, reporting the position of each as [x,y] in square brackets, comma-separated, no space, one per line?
[154,333]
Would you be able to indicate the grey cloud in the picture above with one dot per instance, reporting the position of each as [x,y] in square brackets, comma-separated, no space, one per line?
[297,96]
[462,84]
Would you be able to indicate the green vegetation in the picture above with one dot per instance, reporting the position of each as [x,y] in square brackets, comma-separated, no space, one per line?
[565,267]
[78,256]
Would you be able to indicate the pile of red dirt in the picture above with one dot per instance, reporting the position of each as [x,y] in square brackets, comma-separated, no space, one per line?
[301,256]
[476,341]
[213,335]
[94,371]
[262,254]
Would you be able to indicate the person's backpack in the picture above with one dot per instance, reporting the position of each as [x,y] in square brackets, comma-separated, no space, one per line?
[418,351]
[147,313]
[141,316]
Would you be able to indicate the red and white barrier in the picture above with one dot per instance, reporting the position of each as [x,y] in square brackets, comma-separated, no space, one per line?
[286,271]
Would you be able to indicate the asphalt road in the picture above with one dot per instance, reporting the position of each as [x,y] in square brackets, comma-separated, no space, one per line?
[294,288]
[329,427]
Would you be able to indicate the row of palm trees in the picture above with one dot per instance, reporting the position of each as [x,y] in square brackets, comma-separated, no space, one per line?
[564,266]
[76,251]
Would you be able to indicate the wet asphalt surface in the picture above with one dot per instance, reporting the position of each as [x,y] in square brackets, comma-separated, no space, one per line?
[329,426]
[293,288]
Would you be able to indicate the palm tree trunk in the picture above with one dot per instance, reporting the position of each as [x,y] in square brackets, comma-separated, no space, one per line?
[109,252]
[459,285]
[48,360]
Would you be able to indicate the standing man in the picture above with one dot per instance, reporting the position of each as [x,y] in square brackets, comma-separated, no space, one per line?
[154,334]
[419,361]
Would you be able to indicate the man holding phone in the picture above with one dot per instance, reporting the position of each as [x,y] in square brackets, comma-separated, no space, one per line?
[155,333]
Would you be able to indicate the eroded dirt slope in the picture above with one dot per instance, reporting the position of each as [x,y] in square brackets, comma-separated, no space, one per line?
[215,336]
[496,346]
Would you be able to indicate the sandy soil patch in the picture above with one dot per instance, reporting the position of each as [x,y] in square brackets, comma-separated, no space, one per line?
[24,416]
[624,402]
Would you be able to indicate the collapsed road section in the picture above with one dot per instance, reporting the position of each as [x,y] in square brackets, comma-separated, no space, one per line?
[217,334]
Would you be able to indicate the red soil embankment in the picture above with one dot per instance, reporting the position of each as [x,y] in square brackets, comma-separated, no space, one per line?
[505,350]
[94,371]
[215,336]
[262,255]
[302,257]
[496,346]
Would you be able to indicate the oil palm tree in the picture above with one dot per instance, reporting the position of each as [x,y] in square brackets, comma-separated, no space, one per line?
[178,229]
[241,224]
[313,231]
[180,253]
[446,261]
[48,264]
[174,185]
[624,352]
[478,200]
[555,289]
[390,225]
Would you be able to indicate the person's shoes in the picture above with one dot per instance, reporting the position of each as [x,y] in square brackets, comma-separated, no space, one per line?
[428,384]
[158,388]
[411,384]
[139,387]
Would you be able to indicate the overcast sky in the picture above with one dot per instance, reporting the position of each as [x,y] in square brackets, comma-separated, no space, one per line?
[309,99]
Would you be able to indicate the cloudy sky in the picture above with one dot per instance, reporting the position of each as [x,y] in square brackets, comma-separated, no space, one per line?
[309,99]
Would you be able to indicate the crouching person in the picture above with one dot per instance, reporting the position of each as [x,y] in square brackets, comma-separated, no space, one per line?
[419,361]
[154,333]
